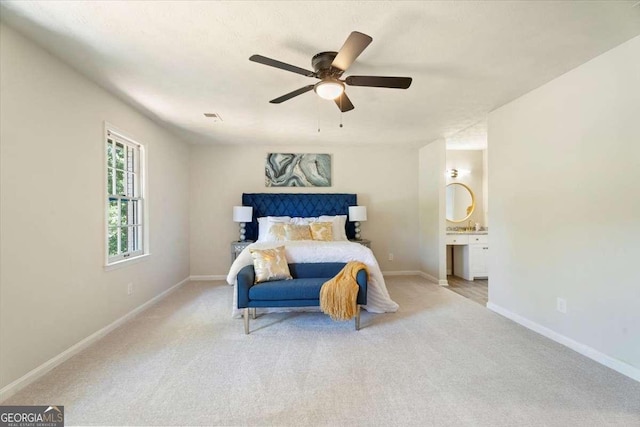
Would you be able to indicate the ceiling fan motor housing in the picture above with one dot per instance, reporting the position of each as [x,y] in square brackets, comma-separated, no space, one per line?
[321,63]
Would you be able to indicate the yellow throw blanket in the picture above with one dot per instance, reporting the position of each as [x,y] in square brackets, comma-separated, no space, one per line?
[339,295]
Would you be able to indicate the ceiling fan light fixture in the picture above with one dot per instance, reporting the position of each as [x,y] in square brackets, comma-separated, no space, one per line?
[329,67]
[329,89]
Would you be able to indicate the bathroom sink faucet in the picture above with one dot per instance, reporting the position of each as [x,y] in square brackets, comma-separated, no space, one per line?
[470,226]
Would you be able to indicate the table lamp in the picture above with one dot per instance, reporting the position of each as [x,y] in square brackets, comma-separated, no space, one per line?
[242,214]
[357,214]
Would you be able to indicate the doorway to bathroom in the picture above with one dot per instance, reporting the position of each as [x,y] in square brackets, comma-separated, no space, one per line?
[466,198]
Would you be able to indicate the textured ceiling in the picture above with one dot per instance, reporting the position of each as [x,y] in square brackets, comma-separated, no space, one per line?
[178,60]
[472,138]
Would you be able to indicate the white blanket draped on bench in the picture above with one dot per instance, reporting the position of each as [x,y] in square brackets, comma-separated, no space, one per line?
[300,251]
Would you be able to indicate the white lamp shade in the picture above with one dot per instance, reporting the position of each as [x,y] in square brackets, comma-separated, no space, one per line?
[357,213]
[242,213]
[329,89]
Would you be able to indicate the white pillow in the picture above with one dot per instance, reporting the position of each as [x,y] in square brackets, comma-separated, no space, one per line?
[339,223]
[303,221]
[264,224]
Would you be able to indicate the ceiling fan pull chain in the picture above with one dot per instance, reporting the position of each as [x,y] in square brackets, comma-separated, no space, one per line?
[341,110]
[318,112]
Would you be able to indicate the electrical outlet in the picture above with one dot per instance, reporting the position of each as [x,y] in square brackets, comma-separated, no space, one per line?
[129,288]
[561,305]
[390,256]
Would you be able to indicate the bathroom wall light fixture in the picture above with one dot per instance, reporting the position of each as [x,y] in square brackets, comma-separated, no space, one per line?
[455,173]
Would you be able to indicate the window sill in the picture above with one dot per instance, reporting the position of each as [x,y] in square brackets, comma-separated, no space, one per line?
[125,262]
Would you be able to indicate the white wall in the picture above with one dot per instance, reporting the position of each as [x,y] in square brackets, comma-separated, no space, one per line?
[431,189]
[385,179]
[54,290]
[485,187]
[564,178]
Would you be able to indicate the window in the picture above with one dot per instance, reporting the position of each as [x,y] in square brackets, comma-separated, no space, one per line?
[125,198]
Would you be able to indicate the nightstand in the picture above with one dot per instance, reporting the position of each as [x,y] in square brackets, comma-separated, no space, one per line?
[237,247]
[363,242]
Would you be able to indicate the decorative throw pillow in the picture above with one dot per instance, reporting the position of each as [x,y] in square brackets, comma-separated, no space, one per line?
[270,264]
[297,232]
[277,232]
[265,223]
[339,225]
[321,230]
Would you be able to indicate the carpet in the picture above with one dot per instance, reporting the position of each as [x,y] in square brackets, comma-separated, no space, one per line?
[441,360]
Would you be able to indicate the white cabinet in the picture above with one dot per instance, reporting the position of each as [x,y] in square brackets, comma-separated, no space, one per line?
[478,255]
[470,259]
[478,238]
[457,239]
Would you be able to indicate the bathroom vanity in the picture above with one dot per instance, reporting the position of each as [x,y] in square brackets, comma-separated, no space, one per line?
[470,249]
[470,254]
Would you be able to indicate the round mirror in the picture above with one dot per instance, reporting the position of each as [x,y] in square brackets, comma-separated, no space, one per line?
[460,202]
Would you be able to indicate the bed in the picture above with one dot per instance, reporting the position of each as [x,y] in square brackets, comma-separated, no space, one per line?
[305,205]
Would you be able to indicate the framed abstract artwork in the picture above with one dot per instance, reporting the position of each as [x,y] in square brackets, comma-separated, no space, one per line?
[297,170]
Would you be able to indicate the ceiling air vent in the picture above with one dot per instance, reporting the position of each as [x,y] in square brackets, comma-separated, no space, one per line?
[215,116]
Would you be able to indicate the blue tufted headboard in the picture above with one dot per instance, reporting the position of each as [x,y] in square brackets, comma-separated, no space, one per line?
[297,205]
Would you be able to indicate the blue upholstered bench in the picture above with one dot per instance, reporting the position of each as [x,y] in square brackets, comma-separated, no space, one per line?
[302,291]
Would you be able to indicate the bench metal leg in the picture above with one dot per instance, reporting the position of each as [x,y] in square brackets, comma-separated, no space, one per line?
[358,317]
[253,313]
[246,321]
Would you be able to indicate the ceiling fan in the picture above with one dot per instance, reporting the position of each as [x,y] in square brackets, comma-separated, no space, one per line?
[329,67]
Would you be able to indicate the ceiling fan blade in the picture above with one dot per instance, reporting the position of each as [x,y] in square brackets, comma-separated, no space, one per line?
[292,94]
[344,103]
[281,65]
[350,50]
[376,81]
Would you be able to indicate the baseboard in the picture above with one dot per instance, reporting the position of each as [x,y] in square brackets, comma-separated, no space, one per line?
[433,278]
[401,273]
[31,376]
[208,277]
[428,277]
[593,354]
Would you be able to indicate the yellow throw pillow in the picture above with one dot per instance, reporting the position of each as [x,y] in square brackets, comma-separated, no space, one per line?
[297,232]
[277,232]
[270,264]
[321,230]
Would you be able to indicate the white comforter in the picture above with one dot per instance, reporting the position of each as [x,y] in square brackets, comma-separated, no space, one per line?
[378,299]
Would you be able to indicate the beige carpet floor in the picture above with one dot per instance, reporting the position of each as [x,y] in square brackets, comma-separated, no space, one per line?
[441,360]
